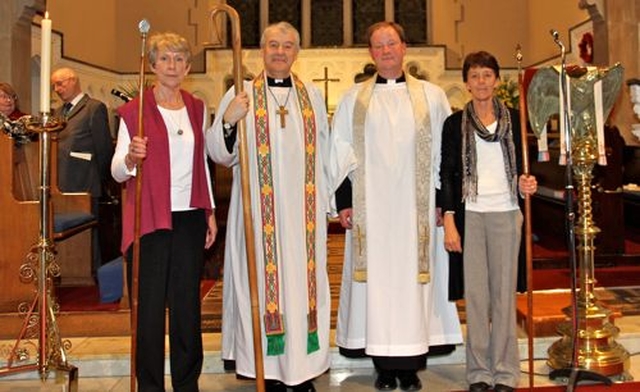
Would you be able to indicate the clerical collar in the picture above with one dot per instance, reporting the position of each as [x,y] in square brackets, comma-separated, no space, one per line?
[279,82]
[381,80]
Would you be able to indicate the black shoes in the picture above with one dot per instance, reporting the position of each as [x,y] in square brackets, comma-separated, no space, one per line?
[306,386]
[502,388]
[386,381]
[278,386]
[274,386]
[479,387]
[409,381]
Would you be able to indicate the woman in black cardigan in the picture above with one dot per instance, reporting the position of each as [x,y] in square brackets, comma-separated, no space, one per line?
[481,184]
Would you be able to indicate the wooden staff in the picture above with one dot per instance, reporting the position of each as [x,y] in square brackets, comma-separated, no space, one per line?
[143,26]
[527,215]
[246,194]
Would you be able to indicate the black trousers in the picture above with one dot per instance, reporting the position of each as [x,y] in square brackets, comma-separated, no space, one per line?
[171,263]
[395,364]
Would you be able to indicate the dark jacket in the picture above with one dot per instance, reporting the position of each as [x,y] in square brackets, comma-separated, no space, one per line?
[87,132]
[449,197]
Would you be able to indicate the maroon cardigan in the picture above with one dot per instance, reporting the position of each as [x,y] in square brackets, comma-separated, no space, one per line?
[156,178]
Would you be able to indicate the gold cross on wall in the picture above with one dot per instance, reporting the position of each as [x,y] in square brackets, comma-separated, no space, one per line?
[326,81]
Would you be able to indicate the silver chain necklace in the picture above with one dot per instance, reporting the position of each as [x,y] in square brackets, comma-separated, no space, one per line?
[282,111]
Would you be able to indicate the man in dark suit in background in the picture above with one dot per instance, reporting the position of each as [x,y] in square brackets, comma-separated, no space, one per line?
[85,145]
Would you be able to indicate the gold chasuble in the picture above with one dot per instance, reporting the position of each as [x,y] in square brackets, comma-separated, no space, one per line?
[273,318]
[422,120]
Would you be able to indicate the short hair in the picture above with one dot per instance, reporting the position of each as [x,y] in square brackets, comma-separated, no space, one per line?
[283,27]
[380,25]
[171,42]
[8,89]
[480,59]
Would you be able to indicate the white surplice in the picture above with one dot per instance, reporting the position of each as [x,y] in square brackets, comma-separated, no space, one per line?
[288,166]
[392,314]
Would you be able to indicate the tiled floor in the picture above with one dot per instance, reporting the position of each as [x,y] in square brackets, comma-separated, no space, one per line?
[103,365]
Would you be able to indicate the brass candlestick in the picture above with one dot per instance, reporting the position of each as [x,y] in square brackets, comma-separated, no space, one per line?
[41,267]
[588,335]
[596,348]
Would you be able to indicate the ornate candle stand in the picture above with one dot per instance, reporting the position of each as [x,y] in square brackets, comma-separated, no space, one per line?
[40,268]
[597,349]
[588,335]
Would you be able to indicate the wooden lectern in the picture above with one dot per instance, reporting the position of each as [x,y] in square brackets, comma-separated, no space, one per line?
[20,220]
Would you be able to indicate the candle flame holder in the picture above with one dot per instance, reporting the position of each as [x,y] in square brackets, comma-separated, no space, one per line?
[40,268]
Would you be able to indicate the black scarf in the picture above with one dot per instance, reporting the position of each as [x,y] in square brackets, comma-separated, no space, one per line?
[471,125]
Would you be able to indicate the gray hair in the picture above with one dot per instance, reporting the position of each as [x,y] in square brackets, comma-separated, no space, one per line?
[171,42]
[283,27]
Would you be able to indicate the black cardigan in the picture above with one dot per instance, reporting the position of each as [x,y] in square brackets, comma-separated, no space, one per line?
[449,196]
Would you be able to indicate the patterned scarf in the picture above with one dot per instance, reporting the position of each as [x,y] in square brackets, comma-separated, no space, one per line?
[471,125]
[273,318]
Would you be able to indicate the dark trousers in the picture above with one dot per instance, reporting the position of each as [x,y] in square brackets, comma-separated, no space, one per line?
[400,364]
[171,263]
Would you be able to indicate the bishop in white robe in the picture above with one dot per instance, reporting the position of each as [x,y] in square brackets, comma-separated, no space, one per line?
[288,162]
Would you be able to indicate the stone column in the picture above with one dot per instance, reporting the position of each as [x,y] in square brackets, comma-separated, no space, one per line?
[306,23]
[15,44]
[347,23]
[264,15]
[621,20]
[389,11]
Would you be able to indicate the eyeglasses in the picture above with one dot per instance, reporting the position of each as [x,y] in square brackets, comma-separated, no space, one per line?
[6,97]
[60,83]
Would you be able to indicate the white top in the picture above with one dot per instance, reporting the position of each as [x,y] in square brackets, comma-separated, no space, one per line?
[180,156]
[494,194]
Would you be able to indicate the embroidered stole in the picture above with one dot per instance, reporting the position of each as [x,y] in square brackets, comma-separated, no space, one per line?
[273,318]
[422,119]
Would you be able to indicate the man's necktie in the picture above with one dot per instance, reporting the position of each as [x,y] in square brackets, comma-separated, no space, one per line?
[66,108]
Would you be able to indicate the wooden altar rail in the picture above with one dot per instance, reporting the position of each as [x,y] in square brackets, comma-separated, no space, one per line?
[20,223]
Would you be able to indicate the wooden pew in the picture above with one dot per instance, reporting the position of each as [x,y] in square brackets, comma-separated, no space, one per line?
[20,224]
[71,222]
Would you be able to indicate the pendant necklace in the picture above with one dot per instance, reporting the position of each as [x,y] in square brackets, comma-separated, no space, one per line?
[282,111]
[177,124]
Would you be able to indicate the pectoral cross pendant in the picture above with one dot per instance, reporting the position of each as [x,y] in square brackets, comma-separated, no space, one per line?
[282,112]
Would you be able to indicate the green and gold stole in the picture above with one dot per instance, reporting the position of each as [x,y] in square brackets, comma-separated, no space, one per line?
[422,120]
[273,318]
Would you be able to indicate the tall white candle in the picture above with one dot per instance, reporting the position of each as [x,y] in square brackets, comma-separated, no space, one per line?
[45,64]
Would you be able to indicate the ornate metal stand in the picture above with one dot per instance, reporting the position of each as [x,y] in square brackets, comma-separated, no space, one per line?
[587,350]
[41,267]
[596,348]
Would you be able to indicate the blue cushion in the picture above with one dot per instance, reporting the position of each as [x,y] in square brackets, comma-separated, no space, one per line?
[110,281]
[62,222]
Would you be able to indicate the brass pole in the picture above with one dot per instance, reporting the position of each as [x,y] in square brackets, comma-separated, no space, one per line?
[527,214]
[236,43]
[143,26]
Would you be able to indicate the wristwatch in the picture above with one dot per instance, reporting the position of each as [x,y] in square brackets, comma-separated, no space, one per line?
[227,128]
